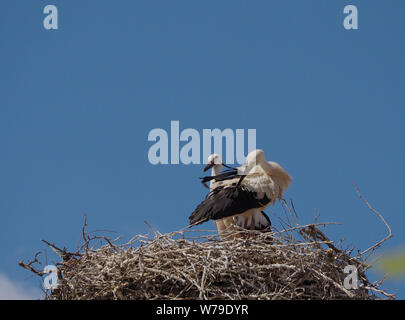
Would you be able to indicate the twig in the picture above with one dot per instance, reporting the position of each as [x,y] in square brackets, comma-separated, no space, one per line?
[375,246]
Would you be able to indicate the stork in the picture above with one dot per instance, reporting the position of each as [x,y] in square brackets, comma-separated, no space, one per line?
[219,178]
[215,163]
[239,196]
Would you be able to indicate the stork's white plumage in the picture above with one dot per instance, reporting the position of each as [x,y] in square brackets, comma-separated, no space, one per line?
[214,162]
[239,198]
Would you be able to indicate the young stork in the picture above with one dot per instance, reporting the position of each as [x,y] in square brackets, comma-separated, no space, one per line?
[262,221]
[239,198]
[215,163]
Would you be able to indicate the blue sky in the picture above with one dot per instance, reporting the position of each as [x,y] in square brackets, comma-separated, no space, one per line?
[77,104]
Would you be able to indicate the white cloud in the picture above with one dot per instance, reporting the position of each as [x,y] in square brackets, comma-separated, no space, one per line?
[12,290]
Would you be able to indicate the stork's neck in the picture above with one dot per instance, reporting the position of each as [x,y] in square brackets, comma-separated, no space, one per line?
[216,170]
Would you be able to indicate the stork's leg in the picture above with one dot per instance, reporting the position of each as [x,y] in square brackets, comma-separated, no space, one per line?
[267,228]
[225,228]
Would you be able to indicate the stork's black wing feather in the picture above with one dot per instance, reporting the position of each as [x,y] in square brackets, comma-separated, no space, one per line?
[226,201]
[225,175]
[267,218]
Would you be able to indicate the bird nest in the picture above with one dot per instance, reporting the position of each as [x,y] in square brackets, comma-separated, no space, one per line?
[295,262]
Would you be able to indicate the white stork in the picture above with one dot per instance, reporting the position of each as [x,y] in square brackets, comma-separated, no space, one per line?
[215,163]
[261,222]
[239,197]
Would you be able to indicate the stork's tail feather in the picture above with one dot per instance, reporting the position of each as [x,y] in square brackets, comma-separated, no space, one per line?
[266,228]
[258,221]
[265,222]
[198,216]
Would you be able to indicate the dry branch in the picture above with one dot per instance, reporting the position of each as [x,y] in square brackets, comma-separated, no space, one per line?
[375,246]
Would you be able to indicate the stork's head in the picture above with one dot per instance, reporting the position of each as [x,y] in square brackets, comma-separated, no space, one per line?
[213,160]
[272,168]
[255,157]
